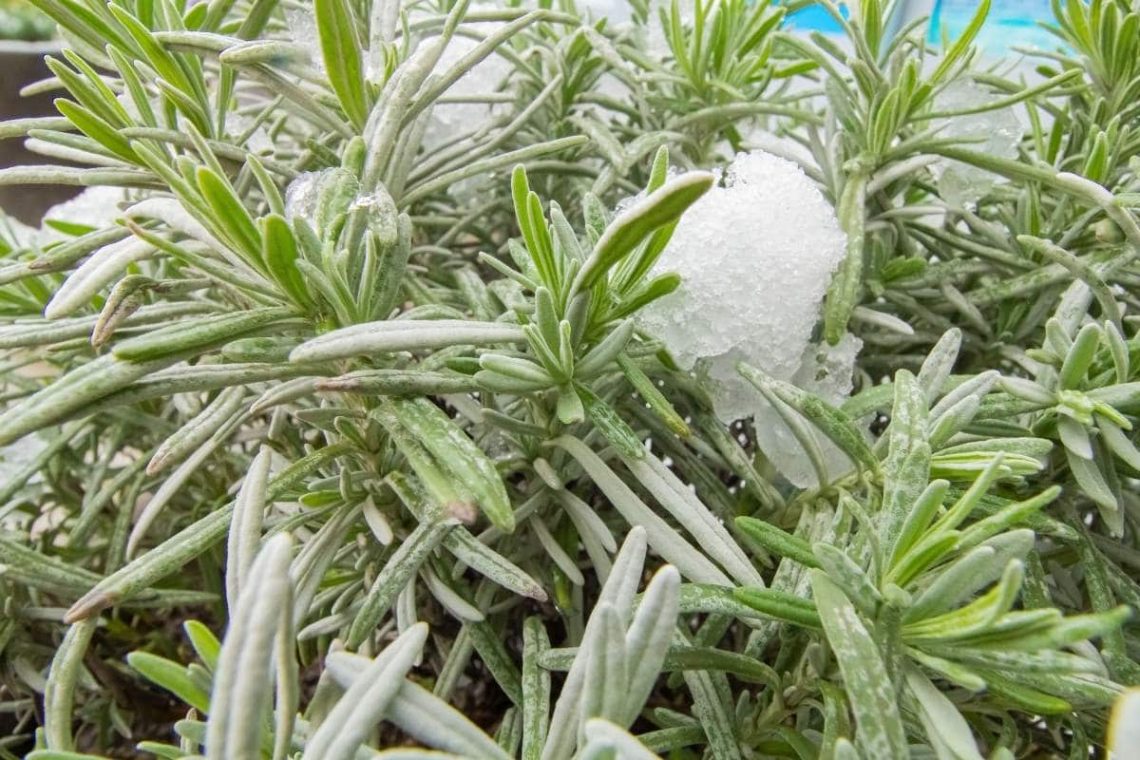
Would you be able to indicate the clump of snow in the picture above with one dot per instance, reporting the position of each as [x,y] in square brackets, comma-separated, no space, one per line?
[258,140]
[450,120]
[756,256]
[995,132]
[94,207]
[302,24]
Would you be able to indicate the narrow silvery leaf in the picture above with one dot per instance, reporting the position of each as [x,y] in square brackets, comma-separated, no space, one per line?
[804,434]
[712,708]
[401,566]
[660,207]
[602,355]
[830,421]
[1027,390]
[849,576]
[952,421]
[94,274]
[947,729]
[977,569]
[315,557]
[596,537]
[648,638]
[288,691]
[563,560]
[869,688]
[245,526]
[618,593]
[450,600]
[606,740]
[199,334]
[242,681]
[907,468]
[1075,437]
[377,523]
[1118,443]
[404,335]
[59,695]
[467,548]
[197,431]
[71,394]
[665,540]
[174,482]
[174,215]
[190,542]
[366,700]
[457,454]
[979,385]
[432,721]
[695,517]
[607,667]
[535,689]
[843,293]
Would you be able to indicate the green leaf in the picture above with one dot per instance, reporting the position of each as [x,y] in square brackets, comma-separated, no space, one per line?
[779,542]
[230,214]
[197,334]
[779,605]
[98,130]
[279,253]
[830,421]
[340,49]
[205,644]
[387,336]
[843,293]
[947,730]
[172,677]
[627,231]
[1080,356]
[616,430]
[536,689]
[457,454]
[651,395]
[907,468]
[880,731]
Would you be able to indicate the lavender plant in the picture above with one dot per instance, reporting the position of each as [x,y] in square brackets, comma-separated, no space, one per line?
[436,379]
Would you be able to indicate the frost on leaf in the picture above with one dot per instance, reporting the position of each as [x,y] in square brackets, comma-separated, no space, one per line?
[755,257]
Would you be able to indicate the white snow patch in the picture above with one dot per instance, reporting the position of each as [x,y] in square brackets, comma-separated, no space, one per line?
[450,120]
[755,256]
[94,207]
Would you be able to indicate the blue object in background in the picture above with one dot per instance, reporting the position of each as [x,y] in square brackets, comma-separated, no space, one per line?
[1010,24]
[815,19]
